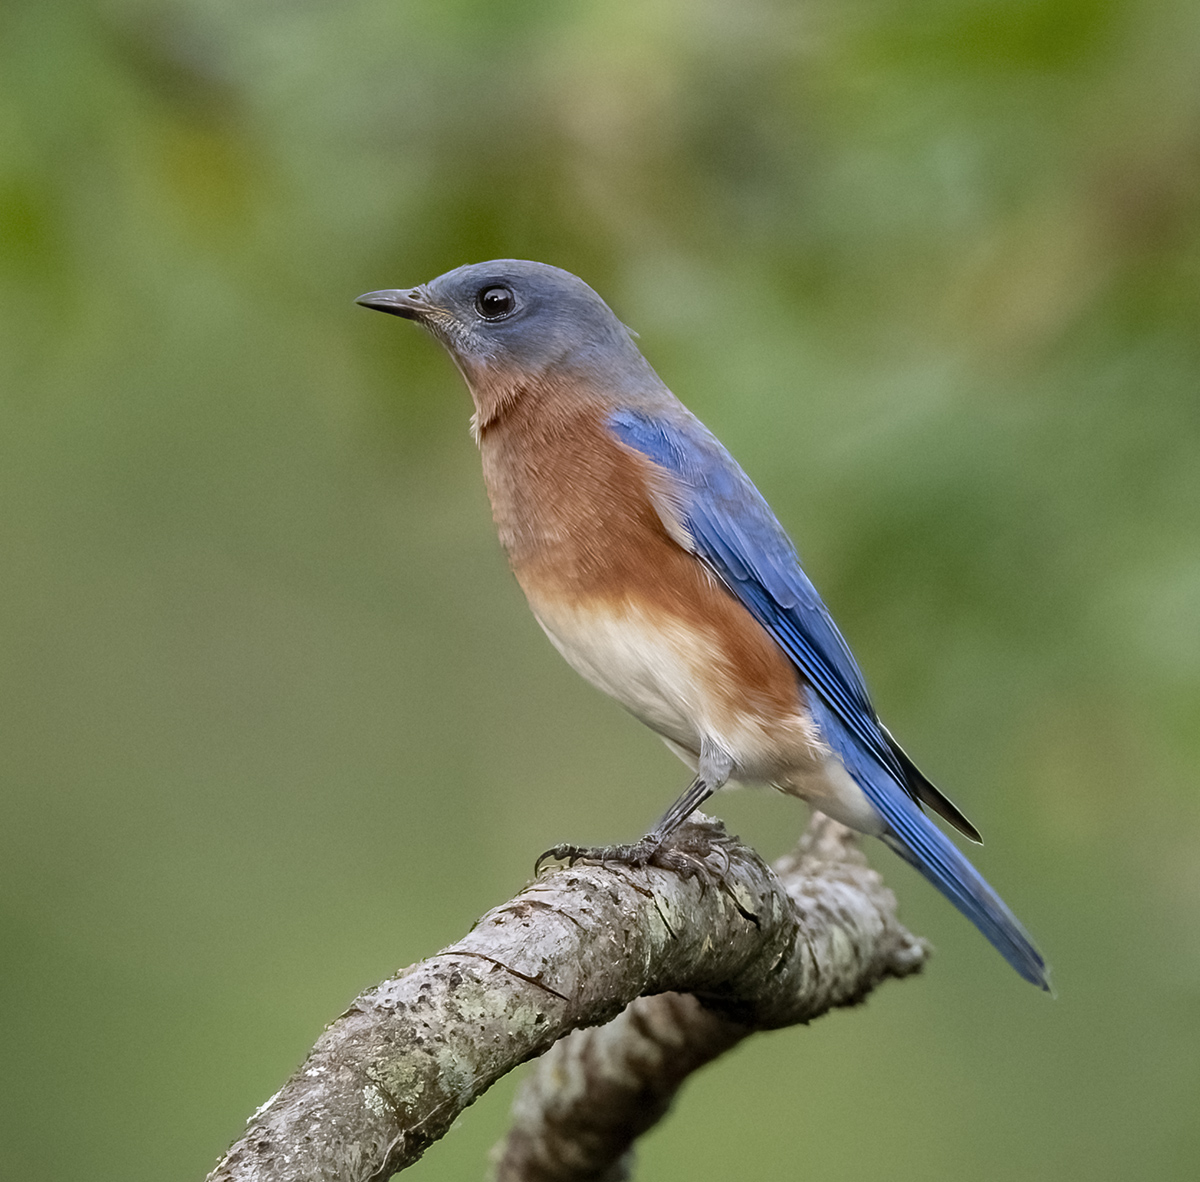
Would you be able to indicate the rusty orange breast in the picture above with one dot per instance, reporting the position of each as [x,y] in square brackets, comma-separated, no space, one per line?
[574,511]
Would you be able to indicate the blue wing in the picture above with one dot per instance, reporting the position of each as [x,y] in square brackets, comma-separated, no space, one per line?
[734,531]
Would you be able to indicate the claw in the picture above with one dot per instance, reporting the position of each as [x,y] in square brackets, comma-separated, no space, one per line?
[557,853]
[636,855]
[684,853]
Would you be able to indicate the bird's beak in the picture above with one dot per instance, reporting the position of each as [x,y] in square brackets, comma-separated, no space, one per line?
[412,304]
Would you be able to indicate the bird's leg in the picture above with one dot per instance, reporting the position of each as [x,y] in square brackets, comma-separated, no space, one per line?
[696,793]
[714,770]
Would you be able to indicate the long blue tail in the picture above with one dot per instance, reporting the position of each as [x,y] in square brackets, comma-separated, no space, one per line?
[922,844]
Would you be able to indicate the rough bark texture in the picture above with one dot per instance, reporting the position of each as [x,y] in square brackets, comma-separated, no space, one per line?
[572,950]
[597,1090]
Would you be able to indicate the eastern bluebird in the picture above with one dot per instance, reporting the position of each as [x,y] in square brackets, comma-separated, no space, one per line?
[659,572]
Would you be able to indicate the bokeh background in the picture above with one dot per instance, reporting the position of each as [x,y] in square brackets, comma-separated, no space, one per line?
[275,718]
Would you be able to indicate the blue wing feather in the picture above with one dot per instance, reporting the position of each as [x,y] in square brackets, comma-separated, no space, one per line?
[737,535]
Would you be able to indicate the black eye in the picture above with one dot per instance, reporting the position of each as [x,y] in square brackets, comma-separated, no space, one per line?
[494,303]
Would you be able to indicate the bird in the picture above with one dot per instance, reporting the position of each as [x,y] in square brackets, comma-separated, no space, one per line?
[659,572]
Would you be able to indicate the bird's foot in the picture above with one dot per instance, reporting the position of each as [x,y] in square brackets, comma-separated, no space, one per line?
[683,853]
[636,854]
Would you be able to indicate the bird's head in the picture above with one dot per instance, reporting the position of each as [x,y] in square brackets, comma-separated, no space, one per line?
[512,325]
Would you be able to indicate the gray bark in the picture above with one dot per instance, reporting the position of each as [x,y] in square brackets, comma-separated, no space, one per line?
[749,949]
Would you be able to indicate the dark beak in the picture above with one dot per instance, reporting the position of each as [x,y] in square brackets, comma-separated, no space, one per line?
[411,304]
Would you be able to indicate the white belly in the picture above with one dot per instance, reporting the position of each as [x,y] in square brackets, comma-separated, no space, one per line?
[669,676]
[654,669]
[680,683]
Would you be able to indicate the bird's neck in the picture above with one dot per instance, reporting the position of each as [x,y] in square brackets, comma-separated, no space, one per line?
[495,398]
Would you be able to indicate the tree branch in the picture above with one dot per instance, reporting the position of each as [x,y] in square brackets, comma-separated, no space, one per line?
[572,950]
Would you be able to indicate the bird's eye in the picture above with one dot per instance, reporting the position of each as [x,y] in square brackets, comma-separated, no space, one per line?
[495,302]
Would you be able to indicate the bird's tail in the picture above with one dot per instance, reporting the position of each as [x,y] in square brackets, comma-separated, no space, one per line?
[923,845]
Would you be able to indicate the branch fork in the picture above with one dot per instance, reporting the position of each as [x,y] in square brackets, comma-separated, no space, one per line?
[656,973]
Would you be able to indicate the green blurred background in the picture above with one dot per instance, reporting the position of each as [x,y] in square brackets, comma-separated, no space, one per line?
[275,718]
